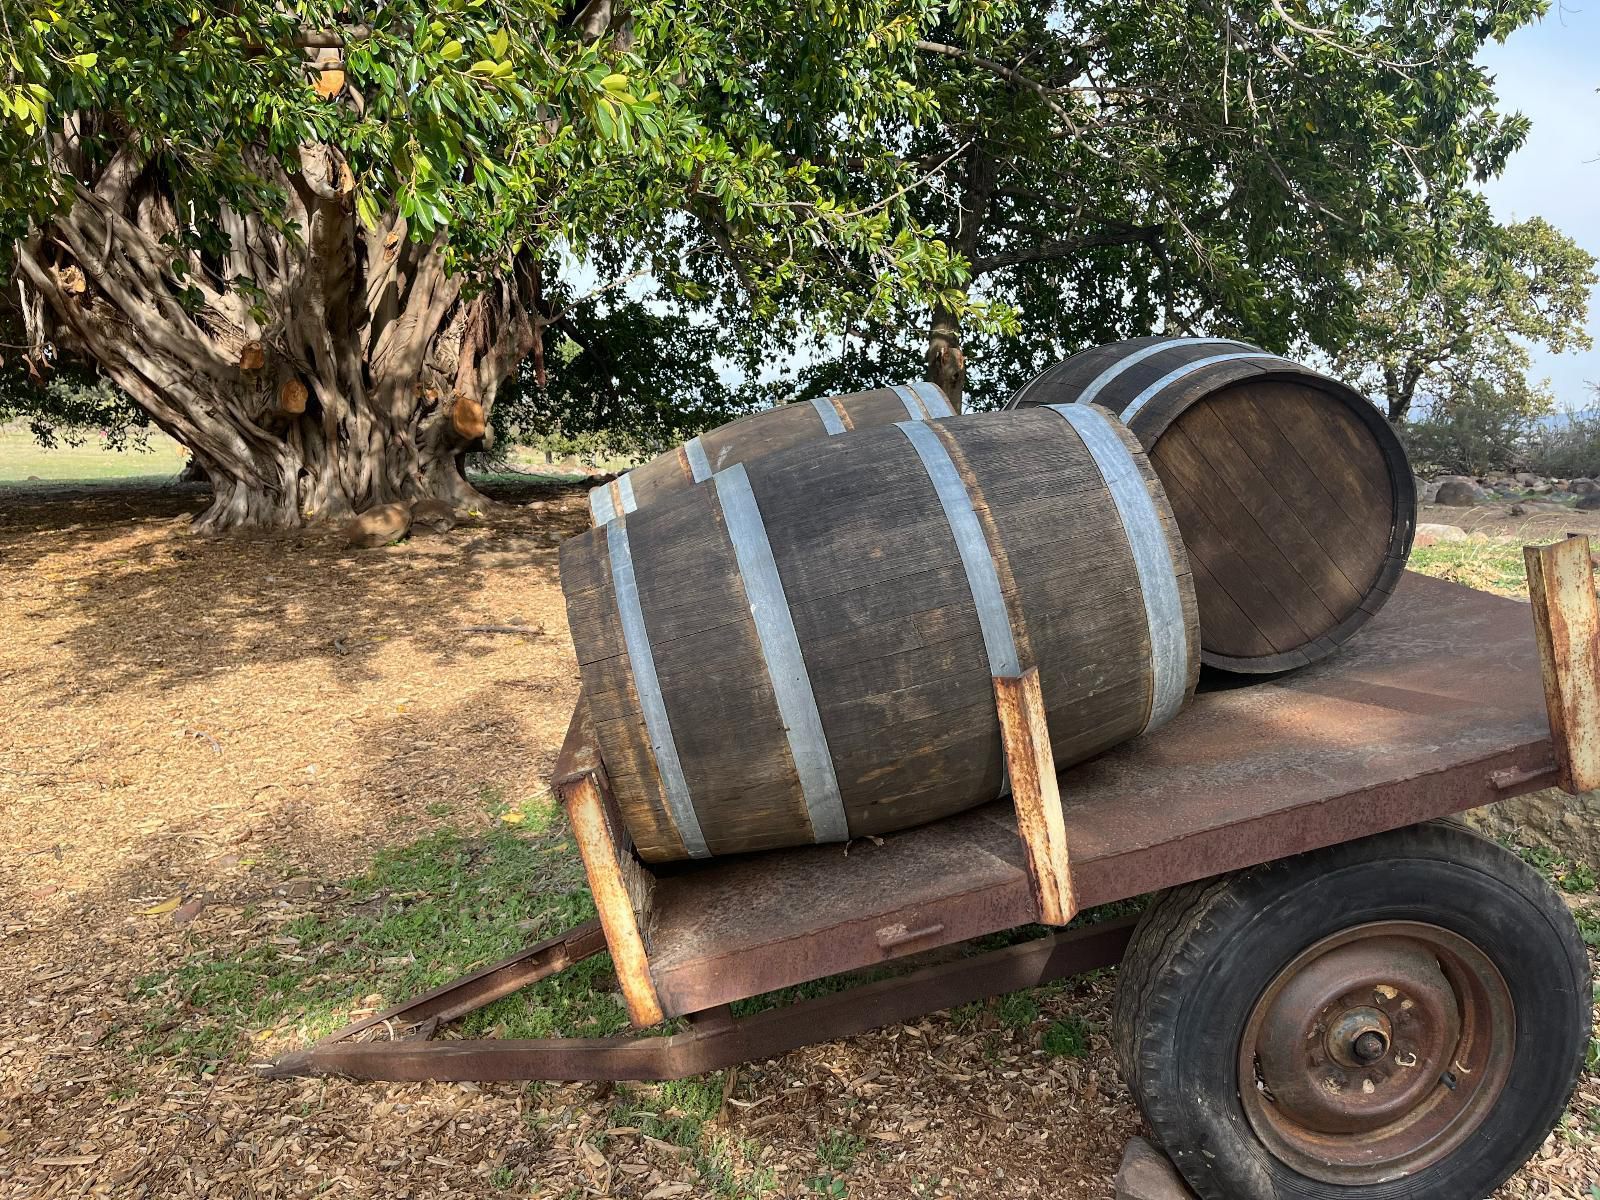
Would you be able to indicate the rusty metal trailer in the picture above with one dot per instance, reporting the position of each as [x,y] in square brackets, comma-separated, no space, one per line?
[1450,699]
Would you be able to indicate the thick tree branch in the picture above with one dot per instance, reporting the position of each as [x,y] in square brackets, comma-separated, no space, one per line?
[1010,74]
[1065,247]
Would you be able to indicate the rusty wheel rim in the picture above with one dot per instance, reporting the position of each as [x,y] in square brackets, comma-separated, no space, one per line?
[1376,1052]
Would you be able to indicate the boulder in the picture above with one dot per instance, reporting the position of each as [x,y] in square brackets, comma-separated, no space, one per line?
[1147,1174]
[437,516]
[1429,534]
[378,526]
[1427,491]
[1583,487]
[1530,508]
[1589,503]
[1458,494]
[1568,825]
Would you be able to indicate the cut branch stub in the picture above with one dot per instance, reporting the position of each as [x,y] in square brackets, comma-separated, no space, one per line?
[292,397]
[467,418]
[252,356]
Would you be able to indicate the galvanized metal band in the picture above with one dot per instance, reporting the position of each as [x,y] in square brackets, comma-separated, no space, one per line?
[1171,377]
[976,557]
[933,399]
[1098,383]
[610,499]
[699,464]
[652,706]
[830,417]
[624,486]
[1152,557]
[909,398]
[780,648]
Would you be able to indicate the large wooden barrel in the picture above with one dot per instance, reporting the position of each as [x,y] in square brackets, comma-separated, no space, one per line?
[1294,495]
[803,650]
[760,434]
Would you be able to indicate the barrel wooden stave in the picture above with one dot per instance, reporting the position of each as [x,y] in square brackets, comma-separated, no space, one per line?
[883,611]
[758,434]
[1294,496]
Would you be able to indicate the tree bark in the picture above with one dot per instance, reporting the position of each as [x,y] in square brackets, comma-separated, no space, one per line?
[947,363]
[1400,390]
[350,372]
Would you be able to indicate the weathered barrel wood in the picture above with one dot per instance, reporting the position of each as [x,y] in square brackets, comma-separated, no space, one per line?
[804,649]
[764,433]
[1295,498]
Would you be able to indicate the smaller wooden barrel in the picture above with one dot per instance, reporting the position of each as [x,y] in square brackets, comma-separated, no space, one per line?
[1295,497]
[763,433]
[804,649]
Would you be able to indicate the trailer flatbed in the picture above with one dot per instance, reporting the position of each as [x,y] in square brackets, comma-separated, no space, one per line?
[1438,707]
[1450,699]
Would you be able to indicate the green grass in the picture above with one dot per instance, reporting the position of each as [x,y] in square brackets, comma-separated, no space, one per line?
[838,1149]
[1492,566]
[681,1113]
[21,457]
[1570,876]
[420,916]
[1067,1038]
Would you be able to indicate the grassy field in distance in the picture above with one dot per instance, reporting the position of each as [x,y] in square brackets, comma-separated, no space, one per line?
[22,459]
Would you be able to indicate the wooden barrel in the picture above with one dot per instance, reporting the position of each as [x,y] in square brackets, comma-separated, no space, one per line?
[803,651]
[1294,495]
[760,434]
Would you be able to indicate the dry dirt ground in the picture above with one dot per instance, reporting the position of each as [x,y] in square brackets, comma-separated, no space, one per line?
[259,729]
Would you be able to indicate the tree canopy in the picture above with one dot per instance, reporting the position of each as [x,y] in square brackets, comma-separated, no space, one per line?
[313,240]
[1109,169]
[1469,322]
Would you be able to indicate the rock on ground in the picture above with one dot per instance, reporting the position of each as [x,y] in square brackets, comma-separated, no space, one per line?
[1527,508]
[1458,493]
[1569,825]
[1429,534]
[379,526]
[1589,503]
[1147,1174]
[435,515]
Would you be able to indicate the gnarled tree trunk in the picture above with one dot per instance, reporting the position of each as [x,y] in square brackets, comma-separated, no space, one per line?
[312,375]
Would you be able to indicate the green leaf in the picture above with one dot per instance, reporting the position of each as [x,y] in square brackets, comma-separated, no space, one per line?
[451,50]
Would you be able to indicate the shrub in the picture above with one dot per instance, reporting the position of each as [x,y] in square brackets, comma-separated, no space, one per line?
[1478,430]
[1568,450]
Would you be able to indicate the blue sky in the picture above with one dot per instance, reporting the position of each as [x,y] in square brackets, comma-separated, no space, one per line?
[1549,72]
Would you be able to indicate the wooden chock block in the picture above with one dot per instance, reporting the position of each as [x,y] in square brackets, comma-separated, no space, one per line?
[1036,794]
[621,886]
[1566,621]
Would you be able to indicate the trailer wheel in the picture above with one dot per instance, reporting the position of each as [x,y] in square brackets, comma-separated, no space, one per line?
[1401,1017]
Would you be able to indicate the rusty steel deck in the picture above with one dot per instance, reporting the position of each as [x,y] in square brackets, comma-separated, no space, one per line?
[1437,707]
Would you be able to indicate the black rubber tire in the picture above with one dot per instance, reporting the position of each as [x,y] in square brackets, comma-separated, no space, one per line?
[1204,953]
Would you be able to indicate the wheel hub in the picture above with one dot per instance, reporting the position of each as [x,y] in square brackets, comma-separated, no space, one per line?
[1373,1053]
